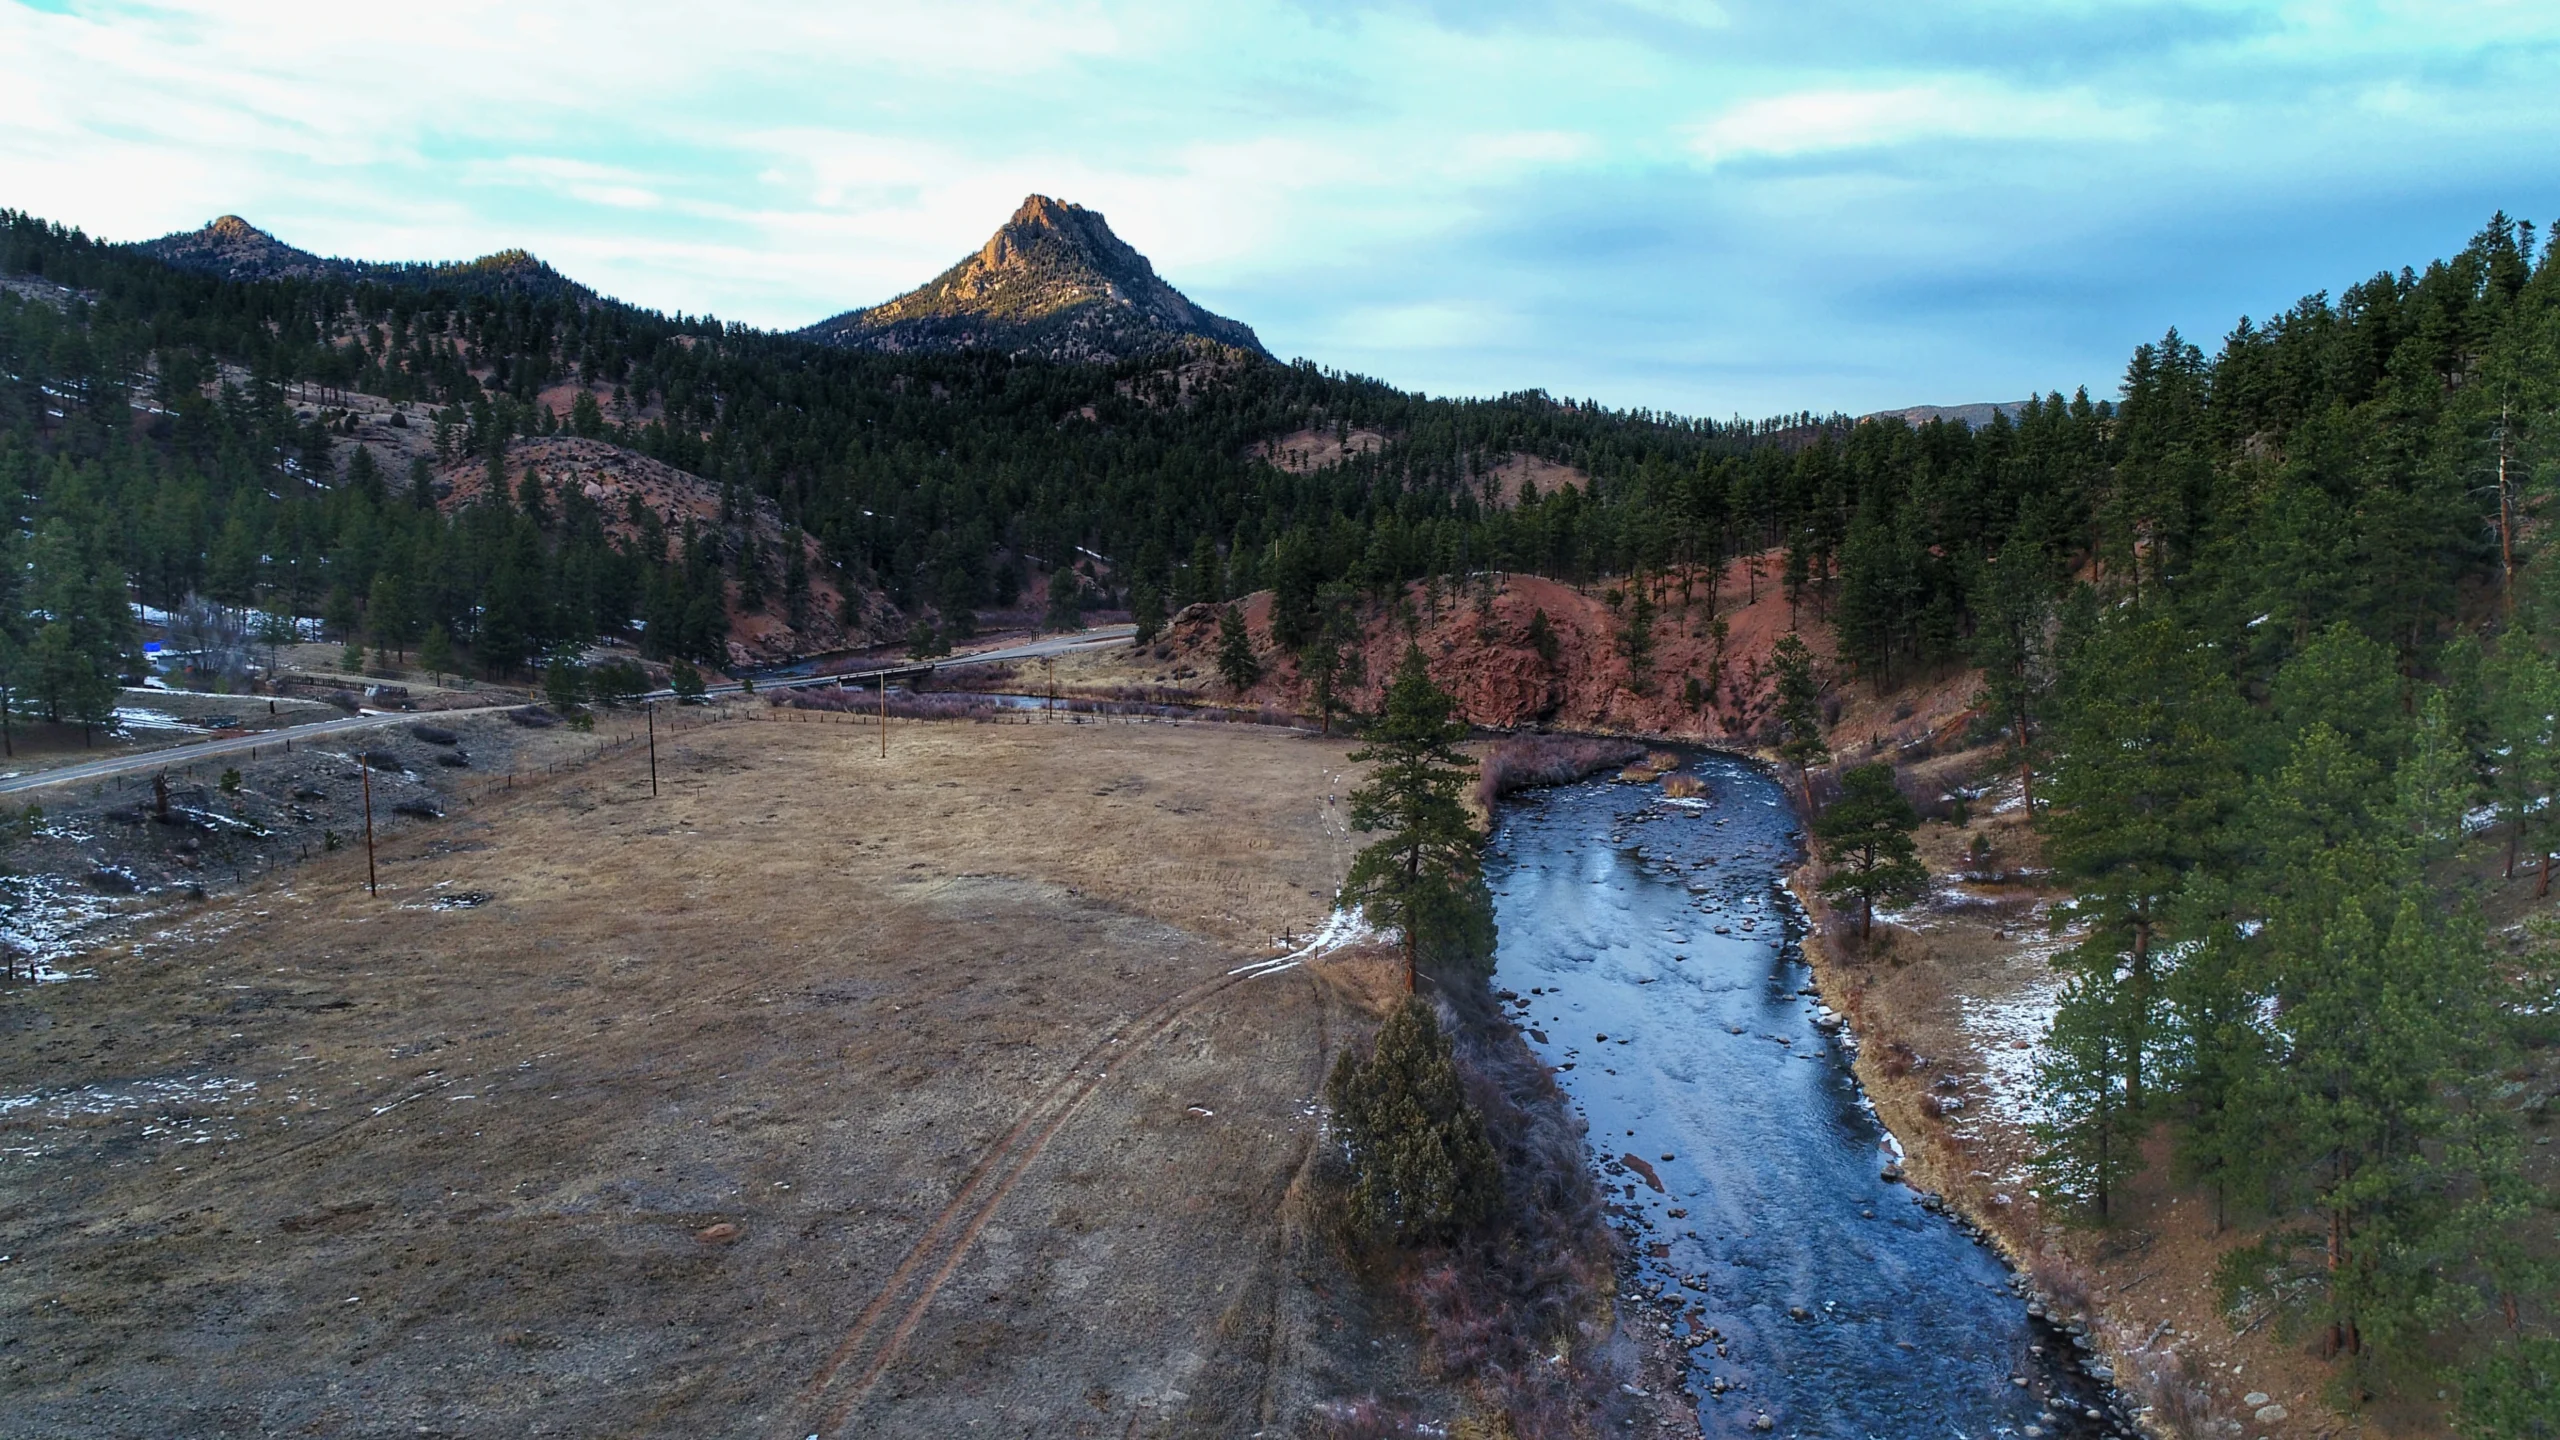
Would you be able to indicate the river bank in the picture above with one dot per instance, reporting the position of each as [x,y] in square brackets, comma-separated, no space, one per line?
[1949,1001]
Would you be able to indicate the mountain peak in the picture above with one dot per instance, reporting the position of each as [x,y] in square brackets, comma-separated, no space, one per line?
[237,250]
[234,249]
[1052,281]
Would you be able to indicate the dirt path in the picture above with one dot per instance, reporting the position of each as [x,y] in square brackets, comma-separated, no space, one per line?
[906,1098]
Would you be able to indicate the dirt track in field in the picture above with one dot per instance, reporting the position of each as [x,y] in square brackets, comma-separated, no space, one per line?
[821,1094]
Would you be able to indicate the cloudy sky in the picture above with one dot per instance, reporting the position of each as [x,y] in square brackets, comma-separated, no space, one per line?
[1714,206]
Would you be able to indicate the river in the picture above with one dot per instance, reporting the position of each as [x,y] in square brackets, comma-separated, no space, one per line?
[1657,965]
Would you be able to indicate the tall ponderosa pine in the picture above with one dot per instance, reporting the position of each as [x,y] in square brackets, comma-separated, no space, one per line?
[1799,713]
[1866,842]
[2089,1140]
[2012,647]
[1420,876]
[2144,776]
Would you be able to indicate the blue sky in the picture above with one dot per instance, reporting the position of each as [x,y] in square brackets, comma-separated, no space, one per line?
[1712,206]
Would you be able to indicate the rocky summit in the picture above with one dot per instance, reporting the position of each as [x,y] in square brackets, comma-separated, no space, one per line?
[234,249]
[237,250]
[1054,282]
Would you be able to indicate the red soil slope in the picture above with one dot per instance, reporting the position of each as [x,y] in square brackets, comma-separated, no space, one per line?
[1480,651]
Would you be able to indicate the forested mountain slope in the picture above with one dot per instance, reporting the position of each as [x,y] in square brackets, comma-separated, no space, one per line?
[2266,631]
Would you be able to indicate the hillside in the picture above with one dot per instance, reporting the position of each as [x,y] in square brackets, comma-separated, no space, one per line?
[1976,415]
[233,249]
[1054,282]
[640,502]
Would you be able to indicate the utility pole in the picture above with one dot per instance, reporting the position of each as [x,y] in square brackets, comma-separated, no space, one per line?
[1049,669]
[371,885]
[651,710]
[884,714]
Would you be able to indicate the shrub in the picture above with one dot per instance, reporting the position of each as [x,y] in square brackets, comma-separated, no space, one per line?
[1526,761]
[1422,1168]
[1683,787]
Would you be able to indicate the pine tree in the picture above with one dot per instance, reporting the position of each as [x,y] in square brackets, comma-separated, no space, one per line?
[795,580]
[1540,637]
[1066,602]
[1203,582]
[1866,840]
[435,653]
[1799,713]
[2523,701]
[685,682]
[2514,1393]
[387,612]
[2010,646]
[2380,1116]
[750,569]
[1236,663]
[2145,775]
[2089,1141]
[1146,607]
[1635,640]
[2436,784]
[564,684]
[1421,876]
[1422,1169]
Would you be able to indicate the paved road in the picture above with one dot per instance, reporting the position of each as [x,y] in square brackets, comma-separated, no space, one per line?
[190,754]
[116,765]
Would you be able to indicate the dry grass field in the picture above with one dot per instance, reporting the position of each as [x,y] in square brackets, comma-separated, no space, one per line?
[819,1094]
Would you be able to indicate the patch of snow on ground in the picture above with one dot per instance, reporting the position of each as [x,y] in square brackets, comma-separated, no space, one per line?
[183,1110]
[1340,930]
[136,718]
[2012,1093]
[45,920]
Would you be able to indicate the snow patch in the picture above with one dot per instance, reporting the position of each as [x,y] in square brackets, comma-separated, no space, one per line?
[45,920]
[2007,1034]
[1340,930]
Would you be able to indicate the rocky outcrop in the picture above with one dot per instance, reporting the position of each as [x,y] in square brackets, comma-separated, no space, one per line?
[1053,282]
[1484,648]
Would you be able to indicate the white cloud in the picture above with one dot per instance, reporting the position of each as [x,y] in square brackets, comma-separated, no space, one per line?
[1585,197]
[1832,119]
